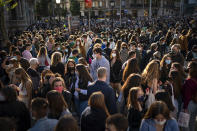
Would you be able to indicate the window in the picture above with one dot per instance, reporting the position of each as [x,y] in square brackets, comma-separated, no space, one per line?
[100,4]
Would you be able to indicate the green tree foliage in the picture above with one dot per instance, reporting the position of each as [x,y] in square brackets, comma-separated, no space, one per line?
[8,5]
[75,7]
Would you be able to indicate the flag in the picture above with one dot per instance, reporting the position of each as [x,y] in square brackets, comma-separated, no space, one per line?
[88,3]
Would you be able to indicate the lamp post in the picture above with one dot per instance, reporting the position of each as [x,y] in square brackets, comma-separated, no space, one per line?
[58,3]
[112,4]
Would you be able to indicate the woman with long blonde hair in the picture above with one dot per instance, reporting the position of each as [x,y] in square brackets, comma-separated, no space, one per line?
[50,43]
[94,116]
[25,87]
[56,64]
[150,76]
[43,59]
[81,47]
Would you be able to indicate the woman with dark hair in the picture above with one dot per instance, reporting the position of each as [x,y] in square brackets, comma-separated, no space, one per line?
[12,108]
[93,117]
[57,105]
[166,98]
[165,65]
[157,118]
[178,67]
[82,82]
[131,67]
[118,45]
[135,108]
[176,83]
[134,80]
[67,123]
[70,76]
[115,70]
[190,94]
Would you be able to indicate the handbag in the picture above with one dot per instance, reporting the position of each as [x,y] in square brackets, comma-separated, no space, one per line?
[183,120]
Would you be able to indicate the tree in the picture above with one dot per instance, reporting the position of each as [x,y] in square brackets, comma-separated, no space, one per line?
[75,7]
[8,5]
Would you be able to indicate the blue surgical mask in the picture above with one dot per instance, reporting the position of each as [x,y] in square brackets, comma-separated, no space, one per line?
[168,61]
[15,57]
[66,50]
[58,48]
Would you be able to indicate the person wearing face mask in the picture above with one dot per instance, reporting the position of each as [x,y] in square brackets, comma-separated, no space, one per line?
[57,48]
[23,62]
[175,54]
[70,76]
[165,66]
[192,55]
[158,118]
[135,108]
[115,70]
[10,69]
[124,52]
[99,61]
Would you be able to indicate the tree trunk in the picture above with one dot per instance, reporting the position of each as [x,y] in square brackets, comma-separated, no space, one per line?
[3,30]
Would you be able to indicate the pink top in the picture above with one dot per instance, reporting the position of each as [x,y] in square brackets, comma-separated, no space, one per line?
[49,46]
[27,54]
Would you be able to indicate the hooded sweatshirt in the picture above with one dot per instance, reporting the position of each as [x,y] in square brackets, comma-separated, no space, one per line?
[96,63]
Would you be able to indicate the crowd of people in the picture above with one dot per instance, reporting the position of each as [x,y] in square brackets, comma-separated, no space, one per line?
[140,77]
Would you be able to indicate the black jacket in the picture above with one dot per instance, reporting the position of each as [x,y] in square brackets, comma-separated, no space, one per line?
[35,77]
[59,68]
[115,72]
[108,92]
[18,111]
[190,56]
[134,119]
[93,119]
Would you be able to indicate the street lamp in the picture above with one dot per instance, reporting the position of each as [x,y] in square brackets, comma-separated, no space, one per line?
[58,2]
[112,4]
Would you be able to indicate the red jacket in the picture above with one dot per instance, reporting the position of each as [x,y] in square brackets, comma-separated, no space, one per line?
[189,90]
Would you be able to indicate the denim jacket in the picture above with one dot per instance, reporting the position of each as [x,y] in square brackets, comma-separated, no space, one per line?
[149,125]
[44,124]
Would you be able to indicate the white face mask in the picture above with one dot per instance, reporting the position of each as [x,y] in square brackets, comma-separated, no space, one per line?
[78,43]
[94,56]
[10,65]
[160,122]
[15,57]
[113,55]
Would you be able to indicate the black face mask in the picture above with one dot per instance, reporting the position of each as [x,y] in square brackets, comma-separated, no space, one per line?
[71,69]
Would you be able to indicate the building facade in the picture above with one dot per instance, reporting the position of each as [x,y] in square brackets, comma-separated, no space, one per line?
[21,16]
[133,8]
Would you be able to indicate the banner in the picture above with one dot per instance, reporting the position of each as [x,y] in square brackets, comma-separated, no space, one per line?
[88,3]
